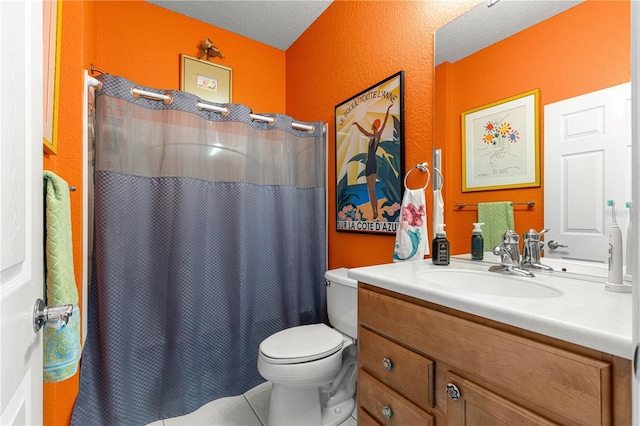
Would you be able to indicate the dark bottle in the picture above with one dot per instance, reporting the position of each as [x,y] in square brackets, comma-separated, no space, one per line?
[477,242]
[440,247]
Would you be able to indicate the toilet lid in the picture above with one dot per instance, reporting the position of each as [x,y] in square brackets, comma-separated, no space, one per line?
[301,344]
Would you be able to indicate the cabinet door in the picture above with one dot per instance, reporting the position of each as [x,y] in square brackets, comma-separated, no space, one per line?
[477,406]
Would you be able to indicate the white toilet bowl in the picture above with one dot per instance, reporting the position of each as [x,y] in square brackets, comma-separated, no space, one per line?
[298,376]
[312,368]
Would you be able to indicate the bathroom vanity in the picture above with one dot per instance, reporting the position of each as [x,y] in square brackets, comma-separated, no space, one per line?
[431,354]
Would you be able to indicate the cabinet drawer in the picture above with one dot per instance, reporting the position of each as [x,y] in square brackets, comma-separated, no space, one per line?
[364,419]
[377,400]
[563,386]
[407,372]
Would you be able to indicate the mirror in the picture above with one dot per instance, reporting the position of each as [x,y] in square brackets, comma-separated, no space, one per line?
[562,48]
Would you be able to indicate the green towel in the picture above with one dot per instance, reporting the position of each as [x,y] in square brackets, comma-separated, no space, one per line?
[61,343]
[497,218]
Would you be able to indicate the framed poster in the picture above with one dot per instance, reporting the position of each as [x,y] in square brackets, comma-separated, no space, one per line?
[208,81]
[500,144]
[369,158]
[52,34]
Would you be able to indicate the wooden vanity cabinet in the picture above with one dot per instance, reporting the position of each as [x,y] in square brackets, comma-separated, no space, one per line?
[425,364]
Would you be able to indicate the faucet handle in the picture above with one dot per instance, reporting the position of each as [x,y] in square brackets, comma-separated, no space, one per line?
[534,235]
[531,235]
[510,237]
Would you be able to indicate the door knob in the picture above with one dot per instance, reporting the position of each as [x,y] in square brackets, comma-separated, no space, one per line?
[43,313]
[554,245]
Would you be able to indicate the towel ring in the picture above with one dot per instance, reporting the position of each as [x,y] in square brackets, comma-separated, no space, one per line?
[424,168]
[441,179]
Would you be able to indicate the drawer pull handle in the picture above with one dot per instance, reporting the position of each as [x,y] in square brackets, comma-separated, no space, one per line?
[386,412]
[453,391]
[387,364]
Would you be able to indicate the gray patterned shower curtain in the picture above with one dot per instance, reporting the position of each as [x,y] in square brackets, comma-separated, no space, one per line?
[209,236]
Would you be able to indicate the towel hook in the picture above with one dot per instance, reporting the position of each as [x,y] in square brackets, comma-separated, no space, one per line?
[424,168]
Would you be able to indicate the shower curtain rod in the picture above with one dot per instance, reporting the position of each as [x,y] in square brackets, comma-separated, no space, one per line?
[222,110]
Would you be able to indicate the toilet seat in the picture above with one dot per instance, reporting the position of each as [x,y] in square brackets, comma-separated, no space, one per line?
[300,344]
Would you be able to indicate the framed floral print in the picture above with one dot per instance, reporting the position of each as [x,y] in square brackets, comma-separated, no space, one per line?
[500,144]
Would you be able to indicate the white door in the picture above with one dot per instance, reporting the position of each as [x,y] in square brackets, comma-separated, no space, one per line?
[587,160]
[20,210]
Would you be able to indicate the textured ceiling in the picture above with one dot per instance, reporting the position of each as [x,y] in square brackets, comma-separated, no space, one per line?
[279,23]
[275,23]
[483,26]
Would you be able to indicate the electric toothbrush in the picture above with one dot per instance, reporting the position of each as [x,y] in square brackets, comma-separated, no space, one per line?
[615,248]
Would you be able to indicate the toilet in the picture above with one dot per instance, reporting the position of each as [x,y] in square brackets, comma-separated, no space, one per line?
[313,368]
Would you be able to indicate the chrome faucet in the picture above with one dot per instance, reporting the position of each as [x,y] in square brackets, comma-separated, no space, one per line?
[509,253]
[531,251]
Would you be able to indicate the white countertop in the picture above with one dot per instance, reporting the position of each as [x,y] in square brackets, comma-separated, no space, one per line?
[585,313]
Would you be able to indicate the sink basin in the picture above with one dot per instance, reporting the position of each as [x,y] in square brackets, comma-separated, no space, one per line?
[488,283]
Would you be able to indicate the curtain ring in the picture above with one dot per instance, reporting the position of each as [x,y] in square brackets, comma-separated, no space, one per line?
[424,168]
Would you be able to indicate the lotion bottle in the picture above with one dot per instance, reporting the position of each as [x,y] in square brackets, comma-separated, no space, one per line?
[477,242]
[615,248]
[440,247]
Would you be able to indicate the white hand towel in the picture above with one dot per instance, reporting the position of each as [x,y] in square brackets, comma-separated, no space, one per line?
[411,236]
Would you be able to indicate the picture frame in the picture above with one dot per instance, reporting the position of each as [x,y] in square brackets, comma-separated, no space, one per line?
[369,193]
[208,81]
[501,144]
[52,34]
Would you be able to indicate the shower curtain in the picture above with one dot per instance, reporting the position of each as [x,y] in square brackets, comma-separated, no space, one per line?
[209,236]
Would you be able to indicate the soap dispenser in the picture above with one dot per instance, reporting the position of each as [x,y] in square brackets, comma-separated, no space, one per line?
[440,247]
[477,242]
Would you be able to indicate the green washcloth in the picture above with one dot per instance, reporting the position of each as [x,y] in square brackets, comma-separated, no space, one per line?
[497,218]
[61,343]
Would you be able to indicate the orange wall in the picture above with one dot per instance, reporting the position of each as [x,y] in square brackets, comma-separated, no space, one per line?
[554,56]
[143,42]
[353,45]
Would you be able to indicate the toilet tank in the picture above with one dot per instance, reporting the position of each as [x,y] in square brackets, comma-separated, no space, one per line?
[342,301]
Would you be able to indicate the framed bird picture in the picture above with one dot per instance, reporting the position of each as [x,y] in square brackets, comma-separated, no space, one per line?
[208,81]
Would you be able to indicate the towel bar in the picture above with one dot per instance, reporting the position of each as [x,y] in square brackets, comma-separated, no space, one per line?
[463,205]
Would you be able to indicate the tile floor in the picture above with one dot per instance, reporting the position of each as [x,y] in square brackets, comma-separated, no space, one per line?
[249,409]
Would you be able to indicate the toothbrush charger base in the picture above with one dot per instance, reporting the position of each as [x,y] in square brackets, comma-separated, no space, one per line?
[618,288]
